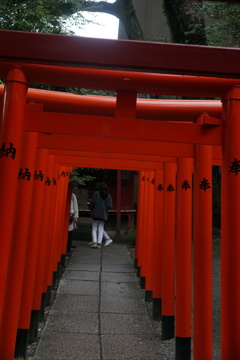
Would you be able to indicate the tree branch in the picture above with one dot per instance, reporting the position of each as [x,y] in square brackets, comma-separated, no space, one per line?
[101,6]
[186,21]
[123,10]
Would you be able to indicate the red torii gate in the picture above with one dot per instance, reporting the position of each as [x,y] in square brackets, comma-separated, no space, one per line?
[19,50]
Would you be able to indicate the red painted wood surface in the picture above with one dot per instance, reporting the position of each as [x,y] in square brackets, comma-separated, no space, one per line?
[230,244]
[148,56]
[202,348]
[168,248]
[184,248]
[11,136]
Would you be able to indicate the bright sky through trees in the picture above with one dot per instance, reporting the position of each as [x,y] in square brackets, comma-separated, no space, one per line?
[104,26]
[99,25]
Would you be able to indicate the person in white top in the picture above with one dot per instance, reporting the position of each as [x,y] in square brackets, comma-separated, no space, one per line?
[73,220]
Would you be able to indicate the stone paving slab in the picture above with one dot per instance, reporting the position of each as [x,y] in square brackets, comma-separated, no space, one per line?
[84,323]
[117,260]
[86,267]
[86,250]
[79,287]
[115,249]
[131,347]
[121,289]
[119,277]
[117,268]
[67,346]
[126,324]
[76,303]
[81,275]
[86,259]
[111,252]
[119,304]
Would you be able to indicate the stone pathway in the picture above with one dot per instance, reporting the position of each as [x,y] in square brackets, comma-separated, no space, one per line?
[99,312]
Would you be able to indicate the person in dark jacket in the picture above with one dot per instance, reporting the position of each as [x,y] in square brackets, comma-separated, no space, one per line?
[100,203]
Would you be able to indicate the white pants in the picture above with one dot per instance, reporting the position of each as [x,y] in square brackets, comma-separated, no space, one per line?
[97,231]
[105,235]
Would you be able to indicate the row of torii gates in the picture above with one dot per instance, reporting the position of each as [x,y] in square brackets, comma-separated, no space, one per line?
[45,134]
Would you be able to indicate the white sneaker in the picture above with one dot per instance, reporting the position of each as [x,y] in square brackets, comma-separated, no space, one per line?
[108,242]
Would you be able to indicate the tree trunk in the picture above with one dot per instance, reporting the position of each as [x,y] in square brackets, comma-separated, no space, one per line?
[186,21]
[123,10]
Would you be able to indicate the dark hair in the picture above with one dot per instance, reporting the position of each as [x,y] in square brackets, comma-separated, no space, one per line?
[102,189]
[97,186]
[103,186]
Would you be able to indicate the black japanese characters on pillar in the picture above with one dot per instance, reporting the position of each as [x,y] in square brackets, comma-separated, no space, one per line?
[185,185]
[204,185]
[38,175]
[8,151]
[235,166]
[47,181]
[170,188]
[63,174]
[24,175]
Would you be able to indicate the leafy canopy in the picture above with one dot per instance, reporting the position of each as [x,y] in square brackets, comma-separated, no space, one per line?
[43,16]
[224,29]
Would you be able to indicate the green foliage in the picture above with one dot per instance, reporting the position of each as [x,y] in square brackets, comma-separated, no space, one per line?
[55,88]
[71,90]
[97,92]
[224,29]
[159,39]
[81,176]
[186,21]
[221,25]
[40,15]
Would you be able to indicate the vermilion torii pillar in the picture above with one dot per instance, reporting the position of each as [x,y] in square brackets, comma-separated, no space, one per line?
[148,255]
[63,211]
[168,251]
[46,225]
[145,180]
[157,246]
[56,230]
[60,220]
[230,242]
[184,259]
[18,259]
[48,272]
[203,252]
[32,252]
[10,150]
[139,237]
